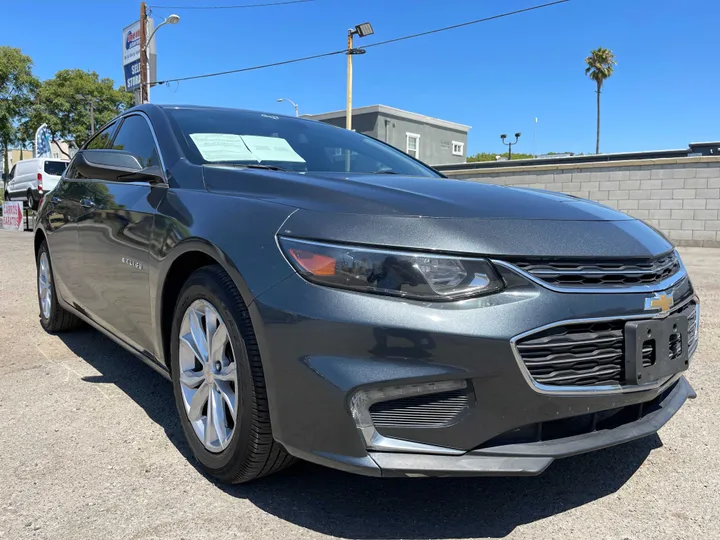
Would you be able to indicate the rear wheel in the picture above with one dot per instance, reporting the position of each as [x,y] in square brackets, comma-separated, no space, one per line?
[53,317]
[31,202]
[219,383]
[7,196]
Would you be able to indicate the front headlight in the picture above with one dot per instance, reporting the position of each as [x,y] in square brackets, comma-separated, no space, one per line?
[409,275]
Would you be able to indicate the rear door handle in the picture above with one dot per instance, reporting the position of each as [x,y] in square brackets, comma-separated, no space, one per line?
[56,200]
[87,203]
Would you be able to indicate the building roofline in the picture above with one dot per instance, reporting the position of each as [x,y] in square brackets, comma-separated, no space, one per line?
[393,112]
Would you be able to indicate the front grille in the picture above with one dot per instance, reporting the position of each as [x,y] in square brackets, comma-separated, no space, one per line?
[431,410]
[601,273]
[588,354]
[579,425]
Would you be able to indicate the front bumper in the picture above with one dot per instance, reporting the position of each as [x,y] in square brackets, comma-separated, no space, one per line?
[321,346]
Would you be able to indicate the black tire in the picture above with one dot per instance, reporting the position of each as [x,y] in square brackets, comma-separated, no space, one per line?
[31,202]
[60,320]
[7,196]
[252,451]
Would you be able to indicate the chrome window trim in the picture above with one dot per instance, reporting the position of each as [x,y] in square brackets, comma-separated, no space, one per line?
[667,283]
[603,389]
[152,132]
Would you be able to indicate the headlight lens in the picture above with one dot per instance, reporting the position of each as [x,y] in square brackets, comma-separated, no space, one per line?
[406,274]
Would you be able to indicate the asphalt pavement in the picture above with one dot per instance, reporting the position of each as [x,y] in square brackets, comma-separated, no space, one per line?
[90,447]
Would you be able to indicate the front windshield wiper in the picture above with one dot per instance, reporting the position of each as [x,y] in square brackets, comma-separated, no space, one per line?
[250,166]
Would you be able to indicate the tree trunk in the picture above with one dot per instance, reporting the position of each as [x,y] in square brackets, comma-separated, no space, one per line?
[597,139]
[59,148]
[6,151]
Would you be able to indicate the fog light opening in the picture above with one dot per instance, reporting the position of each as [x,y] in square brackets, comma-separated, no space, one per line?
[362,400]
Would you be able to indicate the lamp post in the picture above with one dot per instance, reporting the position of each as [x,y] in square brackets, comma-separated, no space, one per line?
[361,30]
[280,100]
[510,144]
[144,43]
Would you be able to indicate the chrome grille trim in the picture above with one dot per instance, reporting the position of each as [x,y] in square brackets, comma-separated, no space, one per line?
[662,285]
[604,389]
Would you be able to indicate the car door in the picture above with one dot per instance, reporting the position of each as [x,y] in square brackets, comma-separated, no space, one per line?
[64,209]
[113,238]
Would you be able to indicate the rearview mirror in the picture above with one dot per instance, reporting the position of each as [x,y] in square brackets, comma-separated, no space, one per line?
[115,166]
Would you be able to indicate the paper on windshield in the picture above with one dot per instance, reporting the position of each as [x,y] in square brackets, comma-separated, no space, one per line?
[271,149]
[231,147]
[222,147]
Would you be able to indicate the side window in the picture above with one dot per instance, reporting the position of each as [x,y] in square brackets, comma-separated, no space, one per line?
[102,139]
[136,138]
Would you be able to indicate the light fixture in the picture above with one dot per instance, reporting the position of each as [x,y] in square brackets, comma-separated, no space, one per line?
[364,29]
[173,19]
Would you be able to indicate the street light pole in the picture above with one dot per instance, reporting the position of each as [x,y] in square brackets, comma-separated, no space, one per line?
[362,30]
[144,43]
[297,112]
[348,103]
[510,144]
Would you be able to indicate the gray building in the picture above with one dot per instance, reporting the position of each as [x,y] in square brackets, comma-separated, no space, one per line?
[431,140]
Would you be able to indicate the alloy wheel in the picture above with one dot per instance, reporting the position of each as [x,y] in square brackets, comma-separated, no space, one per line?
[208,375]
[45,285]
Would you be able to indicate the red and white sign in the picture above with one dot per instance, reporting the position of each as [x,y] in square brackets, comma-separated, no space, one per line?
[13,215]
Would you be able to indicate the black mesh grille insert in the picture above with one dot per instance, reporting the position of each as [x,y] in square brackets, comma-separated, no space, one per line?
[588,354]
[432,410]
[578,425]
[601,272]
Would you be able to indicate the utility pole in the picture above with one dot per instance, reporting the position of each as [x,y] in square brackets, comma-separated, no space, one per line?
[92,118]
[143,54]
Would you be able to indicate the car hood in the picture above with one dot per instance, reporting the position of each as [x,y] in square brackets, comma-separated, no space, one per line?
[443,215]
[396,195]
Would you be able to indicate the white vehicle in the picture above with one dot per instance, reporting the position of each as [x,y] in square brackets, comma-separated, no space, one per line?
[30,179]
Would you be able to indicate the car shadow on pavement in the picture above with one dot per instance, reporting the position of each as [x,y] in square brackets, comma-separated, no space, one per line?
[350,506]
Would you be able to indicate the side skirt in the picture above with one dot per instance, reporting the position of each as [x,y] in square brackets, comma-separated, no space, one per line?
[145,356]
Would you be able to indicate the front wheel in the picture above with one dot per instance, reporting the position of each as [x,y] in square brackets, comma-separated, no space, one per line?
[219,383]
[53,317]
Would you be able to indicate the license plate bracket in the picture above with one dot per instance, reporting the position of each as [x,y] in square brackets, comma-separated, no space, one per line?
[666,349]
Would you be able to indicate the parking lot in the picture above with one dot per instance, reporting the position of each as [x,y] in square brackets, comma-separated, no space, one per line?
[91,448]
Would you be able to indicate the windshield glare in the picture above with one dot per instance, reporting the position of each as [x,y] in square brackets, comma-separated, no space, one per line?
[214,136]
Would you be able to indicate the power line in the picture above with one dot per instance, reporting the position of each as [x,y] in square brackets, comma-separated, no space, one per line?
[454,26]
[235,7]
[344,51]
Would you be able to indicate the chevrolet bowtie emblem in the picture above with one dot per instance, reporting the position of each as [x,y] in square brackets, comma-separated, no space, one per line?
[661,302]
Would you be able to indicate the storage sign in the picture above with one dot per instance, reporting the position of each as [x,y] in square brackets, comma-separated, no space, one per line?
[13,215]
[131,55]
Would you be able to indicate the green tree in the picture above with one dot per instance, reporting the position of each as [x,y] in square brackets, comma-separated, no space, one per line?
[17,89]
[489,156]
[600,66]
[63,103]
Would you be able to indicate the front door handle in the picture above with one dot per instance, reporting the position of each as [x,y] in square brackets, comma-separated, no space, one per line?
[56,200]
[87,203]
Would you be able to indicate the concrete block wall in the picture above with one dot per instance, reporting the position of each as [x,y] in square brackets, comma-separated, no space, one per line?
[678,196]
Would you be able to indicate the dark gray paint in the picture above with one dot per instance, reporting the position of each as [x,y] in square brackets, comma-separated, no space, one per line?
[317,343]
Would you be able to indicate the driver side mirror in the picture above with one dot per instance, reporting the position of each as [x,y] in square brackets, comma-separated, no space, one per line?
[115,166]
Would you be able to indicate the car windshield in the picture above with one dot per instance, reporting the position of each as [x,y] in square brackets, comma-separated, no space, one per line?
[55,168]
[244,138]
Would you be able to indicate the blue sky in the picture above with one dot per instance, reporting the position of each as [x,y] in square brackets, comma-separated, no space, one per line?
[496,76]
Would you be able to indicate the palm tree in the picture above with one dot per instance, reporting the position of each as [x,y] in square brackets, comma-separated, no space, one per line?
[599,67]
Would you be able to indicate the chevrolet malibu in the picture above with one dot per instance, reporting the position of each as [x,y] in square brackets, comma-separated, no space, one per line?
[314,293]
